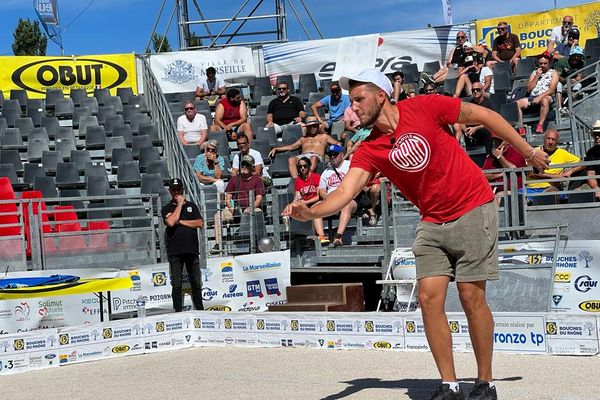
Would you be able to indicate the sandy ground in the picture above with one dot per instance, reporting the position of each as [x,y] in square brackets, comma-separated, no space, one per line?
[287,373]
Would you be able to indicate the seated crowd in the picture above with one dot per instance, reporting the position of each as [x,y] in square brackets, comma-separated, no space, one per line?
[317,153]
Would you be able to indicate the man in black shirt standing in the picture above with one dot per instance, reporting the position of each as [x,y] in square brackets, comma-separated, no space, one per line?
[182,219]
[285,109]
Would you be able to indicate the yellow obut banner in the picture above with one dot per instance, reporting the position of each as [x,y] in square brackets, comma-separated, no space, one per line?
[38,74]
[534,29]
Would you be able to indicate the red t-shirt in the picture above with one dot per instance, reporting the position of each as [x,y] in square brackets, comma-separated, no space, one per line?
[308,188]
[425,161]
[230,113]
[511,155]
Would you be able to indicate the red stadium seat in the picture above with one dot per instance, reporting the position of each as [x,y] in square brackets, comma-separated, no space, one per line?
[98,240]
[9,221]
[36,206]
[70,224]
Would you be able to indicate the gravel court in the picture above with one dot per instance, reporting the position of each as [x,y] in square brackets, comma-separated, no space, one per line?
[286,373]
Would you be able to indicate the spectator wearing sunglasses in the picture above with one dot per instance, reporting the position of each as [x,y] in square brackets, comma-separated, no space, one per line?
[191,127]
[476,134]
[469,70]
[306,190]
[564,49]
[560,33]
[284,109]
[507,46]
[336,103]
[209,166]
[454,57]
[430,88]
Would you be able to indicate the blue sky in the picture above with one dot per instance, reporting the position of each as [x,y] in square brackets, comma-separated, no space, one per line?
[123,26]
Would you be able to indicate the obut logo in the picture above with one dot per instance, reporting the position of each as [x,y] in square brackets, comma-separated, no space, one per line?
[218,308]
[590,306]
[382,345]
[63,72]
[120,349]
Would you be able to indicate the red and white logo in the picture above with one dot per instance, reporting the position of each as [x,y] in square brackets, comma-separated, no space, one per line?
[411,153]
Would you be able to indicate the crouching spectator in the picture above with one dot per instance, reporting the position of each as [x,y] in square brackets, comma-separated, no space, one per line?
[209,167]
[237,196]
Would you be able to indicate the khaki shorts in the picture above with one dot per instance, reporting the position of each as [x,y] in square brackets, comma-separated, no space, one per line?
[466,249]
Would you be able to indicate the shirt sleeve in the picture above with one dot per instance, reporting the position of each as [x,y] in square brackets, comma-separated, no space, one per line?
[326,100]
[555,36]
[271,106]
[202,120]
[495,45]
[236,161]
[299,104]
[231,184]
[258,160]
[195,211]
[221,163]
[164,211]
[259,187]
[323,181]
[179,124]
[219,82]
[516,41]
[442,108]
[197,166]
[567,158]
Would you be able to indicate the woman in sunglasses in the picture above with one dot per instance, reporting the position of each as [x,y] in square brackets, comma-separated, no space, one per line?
[507,46]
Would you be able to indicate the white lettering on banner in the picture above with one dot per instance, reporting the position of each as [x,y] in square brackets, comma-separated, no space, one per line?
[181,71]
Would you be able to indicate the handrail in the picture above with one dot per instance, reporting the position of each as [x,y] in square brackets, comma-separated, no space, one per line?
[177,162]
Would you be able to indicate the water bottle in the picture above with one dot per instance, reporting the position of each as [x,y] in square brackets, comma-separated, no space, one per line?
[141,307]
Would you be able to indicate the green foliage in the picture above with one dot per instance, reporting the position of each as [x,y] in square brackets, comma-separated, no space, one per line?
[29,40]
[160,45]
[194,40]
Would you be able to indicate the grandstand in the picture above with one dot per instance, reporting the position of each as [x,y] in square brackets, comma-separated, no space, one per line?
[84,177]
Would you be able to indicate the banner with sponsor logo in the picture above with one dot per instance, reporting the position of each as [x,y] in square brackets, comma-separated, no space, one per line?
[246,283]
[180,71]
[534,29]
[38,74]
[526,333]
[394,50]
[21,315]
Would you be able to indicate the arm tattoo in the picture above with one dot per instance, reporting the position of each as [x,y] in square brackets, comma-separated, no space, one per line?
[466,111]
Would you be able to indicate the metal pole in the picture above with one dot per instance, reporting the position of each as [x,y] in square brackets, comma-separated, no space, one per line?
[162,6]
[228,23]
[244,22]
[300,20]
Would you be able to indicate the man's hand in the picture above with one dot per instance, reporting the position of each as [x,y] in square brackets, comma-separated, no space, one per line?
[597,195]
[269,125]
[211,156]
[297,210]
[514,60]
[539,161]
[298,120]
[272,153]
[470,131]
[536,100]
[180,199]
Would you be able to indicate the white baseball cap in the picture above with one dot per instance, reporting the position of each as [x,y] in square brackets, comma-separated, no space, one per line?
[369,75]
[467,45]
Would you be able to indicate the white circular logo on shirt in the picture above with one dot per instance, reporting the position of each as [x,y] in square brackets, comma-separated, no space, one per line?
[411,153]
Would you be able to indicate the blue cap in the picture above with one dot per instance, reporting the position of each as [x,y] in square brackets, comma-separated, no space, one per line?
[577,50]
[334,148]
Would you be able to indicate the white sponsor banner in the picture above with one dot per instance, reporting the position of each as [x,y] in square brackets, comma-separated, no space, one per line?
[180,71]
[520,333]
[568,334]
[395,49]
[246,283]
[354,54]
[57,311]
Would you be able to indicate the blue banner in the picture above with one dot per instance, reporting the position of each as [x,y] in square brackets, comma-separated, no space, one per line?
[47,11]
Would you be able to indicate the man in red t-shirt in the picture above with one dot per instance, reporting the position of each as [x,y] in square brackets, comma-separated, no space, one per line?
[306,189]
[457,238]
[231,116]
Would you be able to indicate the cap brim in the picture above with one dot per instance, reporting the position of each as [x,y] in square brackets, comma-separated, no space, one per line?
[345,80]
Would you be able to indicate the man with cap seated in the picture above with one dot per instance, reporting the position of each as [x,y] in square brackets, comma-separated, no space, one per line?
[237,196]
[312,146]
[564,49]
[565,67]
[331,179]
[182,218]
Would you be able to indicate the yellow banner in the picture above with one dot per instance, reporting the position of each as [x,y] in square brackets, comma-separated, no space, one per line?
[38,74]
[78,287]
[534,29]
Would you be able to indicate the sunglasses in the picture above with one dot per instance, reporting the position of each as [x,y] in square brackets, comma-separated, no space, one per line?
[429,90]
[302,166]
[502,29]
[189,108]
[461,37]
[282,89]
[475,90]
[246,165]
[211,150]
[567,23]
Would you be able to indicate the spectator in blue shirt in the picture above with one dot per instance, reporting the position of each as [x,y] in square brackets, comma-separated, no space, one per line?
[336,103]
[209,167]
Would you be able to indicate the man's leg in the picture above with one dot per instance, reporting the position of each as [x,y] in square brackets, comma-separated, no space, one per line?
[522,105]
[292,166]
[246,129]
[460,85]
[192,265]
[345,216]
[314,161]
[544,109]
[481,325]
[175,271]
[432,298]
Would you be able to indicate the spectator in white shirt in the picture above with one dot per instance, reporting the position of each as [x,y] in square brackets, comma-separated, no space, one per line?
[192,127]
